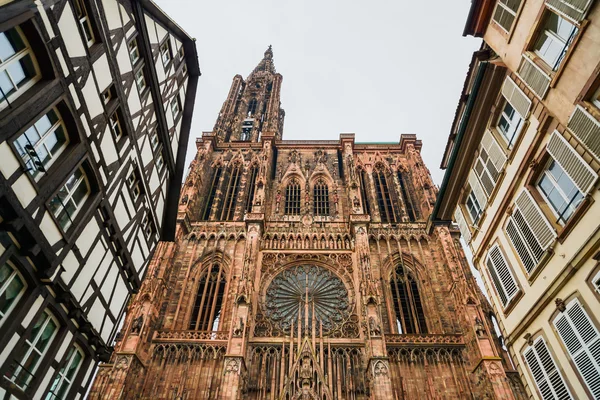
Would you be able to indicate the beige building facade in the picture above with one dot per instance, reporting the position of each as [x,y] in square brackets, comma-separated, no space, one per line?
[521,182]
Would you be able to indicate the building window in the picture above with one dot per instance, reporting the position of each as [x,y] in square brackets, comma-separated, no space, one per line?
[165,52]
[147,226]
[206,312]
[226,210]
[12,287]
[384,200]
[28,357]
[473,208]
[64,379]
[135,186]
[83,16]
[247,129]
[502,276]
[134,51]
[176,106]
[154,142]
[595,99]
[18,70]
[410,316]
[251,188]
[116,127]
[596,282]
[506,12]
[321,198]
[292,197]
[160,163]
[69,200]
[509,124]
[212,193]
[181,52]
[581,338]
[42,143]
[546,375]
[252,107]
[363,191]
[410,210]
[559,191]
[140,79]
[554,38]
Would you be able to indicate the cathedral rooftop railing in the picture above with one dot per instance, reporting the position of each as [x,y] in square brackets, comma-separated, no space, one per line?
[190,336]
[425,340]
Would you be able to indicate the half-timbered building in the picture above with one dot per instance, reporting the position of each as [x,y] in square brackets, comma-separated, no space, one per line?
[96,100]
[302,269]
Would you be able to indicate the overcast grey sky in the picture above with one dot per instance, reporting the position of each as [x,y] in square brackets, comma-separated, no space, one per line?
[376,68]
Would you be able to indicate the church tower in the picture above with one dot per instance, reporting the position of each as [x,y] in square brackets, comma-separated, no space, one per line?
[306,270]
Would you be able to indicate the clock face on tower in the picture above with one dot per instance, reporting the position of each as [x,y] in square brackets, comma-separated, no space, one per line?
[307,290]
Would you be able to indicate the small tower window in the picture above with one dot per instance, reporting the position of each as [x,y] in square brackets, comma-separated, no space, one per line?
[252,107]
[363,192]
[211,195]
[251,187]
[384,200]
[292,198]
[410,210]
[321,198]
[247,129]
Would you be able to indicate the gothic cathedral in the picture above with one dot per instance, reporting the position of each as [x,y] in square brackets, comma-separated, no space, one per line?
[306,269]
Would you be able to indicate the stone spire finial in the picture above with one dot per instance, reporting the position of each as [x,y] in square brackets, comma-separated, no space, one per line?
[266,64]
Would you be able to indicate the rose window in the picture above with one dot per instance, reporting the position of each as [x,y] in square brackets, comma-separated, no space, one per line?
[307,289]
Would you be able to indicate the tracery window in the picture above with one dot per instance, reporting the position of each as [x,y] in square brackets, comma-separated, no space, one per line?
[410,316]
[410,210]
[292,197]
[209,300]
[384,200]
[363,191]
[211,194]
[227,207]
[252,107]
[321,198]
[251,188]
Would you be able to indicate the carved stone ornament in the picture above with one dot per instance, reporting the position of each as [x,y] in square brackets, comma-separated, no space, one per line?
[560,305]
[232,365]
[380,368]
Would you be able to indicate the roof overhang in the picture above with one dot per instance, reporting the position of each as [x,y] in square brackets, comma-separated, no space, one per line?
[478,18]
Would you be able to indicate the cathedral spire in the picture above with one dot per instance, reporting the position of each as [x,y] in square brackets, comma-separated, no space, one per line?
[266,64]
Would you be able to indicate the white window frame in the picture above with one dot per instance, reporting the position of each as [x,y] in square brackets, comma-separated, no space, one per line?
[83,17]
[140,79]
[15,274]
[506,9]
[32,347]
[166,52]
[134,51]
[596,282]
[154,141]
[147,226]
[560,219]
[176,106]
[545,375]
[160,162]
[473,198]
[551,35]
[115,125]
[134,184]
[516,131]
[61,376]
[16,58]
[82,180]
[44,137]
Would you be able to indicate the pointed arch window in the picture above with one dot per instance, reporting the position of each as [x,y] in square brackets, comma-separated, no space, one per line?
[209,300]
[212,193]
[251,188]
[384,200]
[252,107]
[410,209]
[363,191]
[227,207]
[321,198]
[410,316]
[292,197]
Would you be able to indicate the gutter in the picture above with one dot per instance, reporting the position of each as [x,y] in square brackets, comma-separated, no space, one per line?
[459,137]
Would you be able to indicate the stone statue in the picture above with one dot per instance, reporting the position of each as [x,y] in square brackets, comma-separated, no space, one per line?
[136,326]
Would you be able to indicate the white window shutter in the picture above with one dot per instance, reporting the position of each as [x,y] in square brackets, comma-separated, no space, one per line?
[542,230]
[502,276]
[587,129]
[462,224]
[477,190]
[573,9]
[582,340]
[517,232]
[494,150]
[516,97]
[534,77]
[578,170]
[546,375]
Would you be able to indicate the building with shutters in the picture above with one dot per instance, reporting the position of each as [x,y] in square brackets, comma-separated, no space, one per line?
[521,182]
[301,269]
[96,100]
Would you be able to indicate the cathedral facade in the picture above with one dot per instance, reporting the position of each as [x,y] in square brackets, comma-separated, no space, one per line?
[306,270]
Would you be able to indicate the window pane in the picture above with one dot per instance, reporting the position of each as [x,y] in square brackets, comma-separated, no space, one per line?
[46,336]
[17,72]
[55,140]
[6,84]
[11,291]
[80,193]
[74,365]
[10,43]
